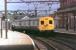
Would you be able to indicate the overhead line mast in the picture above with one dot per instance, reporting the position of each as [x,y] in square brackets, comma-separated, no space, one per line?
[6,29]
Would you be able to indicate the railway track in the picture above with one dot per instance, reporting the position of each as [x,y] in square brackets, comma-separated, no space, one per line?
[43,45]
[69,40]
[57,42]
[60,44]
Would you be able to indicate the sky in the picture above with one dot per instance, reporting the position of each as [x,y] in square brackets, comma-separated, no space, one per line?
[23,6]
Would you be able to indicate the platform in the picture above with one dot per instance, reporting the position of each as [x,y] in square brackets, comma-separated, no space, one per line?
[70,31]
[15,40]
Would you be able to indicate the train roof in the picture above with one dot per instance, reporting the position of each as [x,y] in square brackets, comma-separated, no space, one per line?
[46,17]
[36,18]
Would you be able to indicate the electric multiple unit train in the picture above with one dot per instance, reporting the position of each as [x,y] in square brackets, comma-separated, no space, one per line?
[41,24]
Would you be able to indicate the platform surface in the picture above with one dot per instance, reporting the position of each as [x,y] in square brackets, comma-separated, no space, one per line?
[15,38]
[70,31]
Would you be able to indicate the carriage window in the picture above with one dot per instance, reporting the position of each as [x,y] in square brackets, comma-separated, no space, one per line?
[50,21]
[42,22]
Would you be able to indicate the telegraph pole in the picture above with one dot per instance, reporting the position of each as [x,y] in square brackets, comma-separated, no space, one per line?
[5,5]
[35,11]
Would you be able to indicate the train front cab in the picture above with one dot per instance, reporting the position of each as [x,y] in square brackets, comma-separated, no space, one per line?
[46,24]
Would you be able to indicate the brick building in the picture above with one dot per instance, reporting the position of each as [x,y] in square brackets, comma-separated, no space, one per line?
[67,3]
[67,14]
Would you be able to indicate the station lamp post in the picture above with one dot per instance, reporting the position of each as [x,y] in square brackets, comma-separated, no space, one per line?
[5,7]
[1,24]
